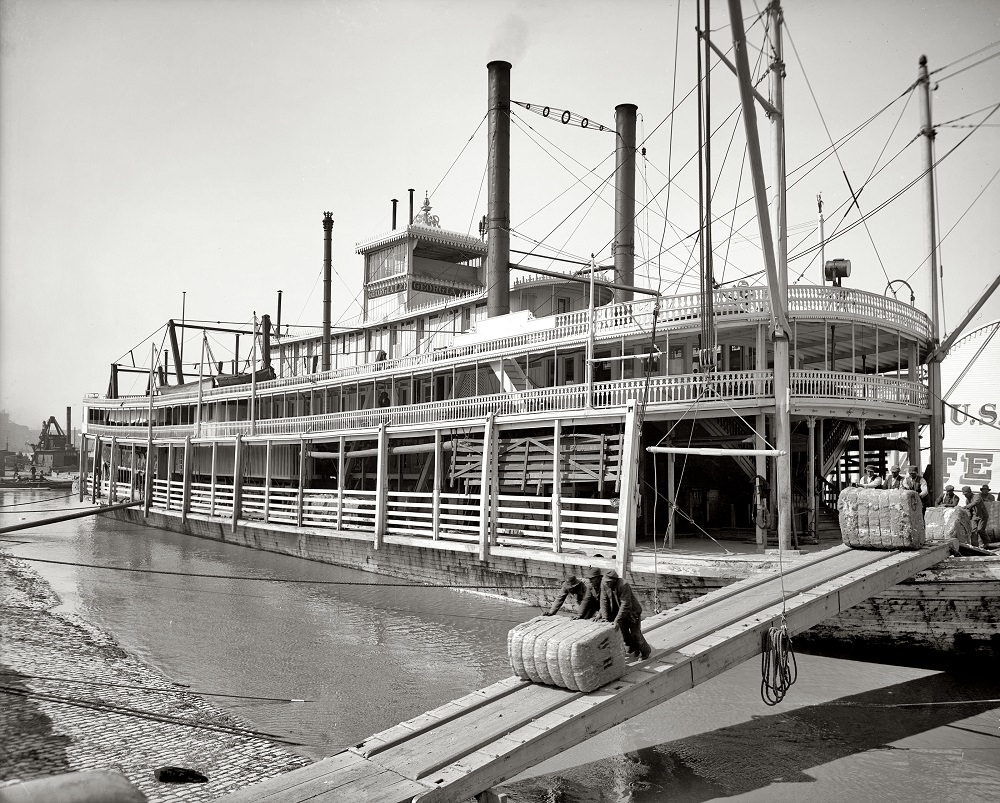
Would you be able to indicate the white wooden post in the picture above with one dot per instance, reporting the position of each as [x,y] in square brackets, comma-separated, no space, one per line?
[170,472]
[484,487]
[113,472]
[211,490]
[237,479]
[94,488]
[341,463]
[131,475]
[672,490]
[302,482]
[557,485]
[267,480]
[436,493]
[381,485]
[760,466]
[628,501]
[83,467]
[186,492]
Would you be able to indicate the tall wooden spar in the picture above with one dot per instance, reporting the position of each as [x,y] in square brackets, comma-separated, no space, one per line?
[775,269]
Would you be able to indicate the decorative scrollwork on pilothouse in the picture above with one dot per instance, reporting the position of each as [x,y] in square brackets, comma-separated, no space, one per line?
[424,216]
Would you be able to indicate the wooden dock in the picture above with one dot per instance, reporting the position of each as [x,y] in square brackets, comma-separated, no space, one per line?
[475,742]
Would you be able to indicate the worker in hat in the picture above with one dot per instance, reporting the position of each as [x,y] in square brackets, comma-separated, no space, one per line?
[914,482]
[620,606]
[586,596]
[949,498]
[893,481]
[871,479]
[987,495]
[980,512]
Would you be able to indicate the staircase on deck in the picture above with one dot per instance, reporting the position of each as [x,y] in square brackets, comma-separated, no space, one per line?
[467,746]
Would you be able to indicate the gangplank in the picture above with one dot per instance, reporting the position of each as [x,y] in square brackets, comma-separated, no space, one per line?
[470,744]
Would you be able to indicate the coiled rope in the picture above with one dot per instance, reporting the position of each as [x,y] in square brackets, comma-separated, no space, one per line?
[777,664]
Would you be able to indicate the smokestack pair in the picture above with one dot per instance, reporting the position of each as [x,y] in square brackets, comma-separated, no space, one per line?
[498,211]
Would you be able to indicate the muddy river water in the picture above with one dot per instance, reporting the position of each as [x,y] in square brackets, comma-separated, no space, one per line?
[363,652]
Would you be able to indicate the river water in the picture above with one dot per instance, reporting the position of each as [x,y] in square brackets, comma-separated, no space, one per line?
[364,652]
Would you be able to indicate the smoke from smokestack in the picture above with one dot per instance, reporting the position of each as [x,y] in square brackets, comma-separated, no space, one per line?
[510,40]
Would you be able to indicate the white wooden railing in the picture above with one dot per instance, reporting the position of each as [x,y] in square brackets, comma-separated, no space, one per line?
[620,320]
[681,389]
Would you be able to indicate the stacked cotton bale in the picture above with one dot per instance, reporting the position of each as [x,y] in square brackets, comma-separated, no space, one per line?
[576,654]
[871,518]
[993,525]
[946,523]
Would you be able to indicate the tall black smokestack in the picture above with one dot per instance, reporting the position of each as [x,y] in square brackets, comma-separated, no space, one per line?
[624,247]
[327,269]
[265,352]
[411,191]
[498,212]
[394,202]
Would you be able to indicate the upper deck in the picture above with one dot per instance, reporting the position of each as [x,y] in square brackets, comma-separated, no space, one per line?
[853,352]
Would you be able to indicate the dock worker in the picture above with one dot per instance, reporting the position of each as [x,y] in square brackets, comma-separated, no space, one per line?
[620,607]
[587,597]
[914,482]
[894,481]
[949,498]
[871,479]
[987,495]
[980,513]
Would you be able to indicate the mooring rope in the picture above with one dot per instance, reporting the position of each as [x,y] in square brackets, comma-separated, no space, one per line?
[778,668]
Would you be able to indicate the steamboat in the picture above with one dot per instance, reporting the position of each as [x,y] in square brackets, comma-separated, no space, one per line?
[492,425]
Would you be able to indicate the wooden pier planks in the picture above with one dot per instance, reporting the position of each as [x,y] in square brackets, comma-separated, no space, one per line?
[486,737]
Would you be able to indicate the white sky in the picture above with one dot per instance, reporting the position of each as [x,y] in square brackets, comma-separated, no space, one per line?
[158,147]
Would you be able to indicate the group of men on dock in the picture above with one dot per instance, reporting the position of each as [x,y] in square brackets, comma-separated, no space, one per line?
[606,598]
[978,504]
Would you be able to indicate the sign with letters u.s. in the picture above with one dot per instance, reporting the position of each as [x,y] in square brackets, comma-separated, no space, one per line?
[972,410]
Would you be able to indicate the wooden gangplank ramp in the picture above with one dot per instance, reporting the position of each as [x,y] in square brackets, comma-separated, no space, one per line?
[470,744]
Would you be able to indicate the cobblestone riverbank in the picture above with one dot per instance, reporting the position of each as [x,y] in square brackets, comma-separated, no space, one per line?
[72,699]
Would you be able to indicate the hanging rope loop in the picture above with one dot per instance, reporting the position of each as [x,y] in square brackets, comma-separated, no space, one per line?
[777,664]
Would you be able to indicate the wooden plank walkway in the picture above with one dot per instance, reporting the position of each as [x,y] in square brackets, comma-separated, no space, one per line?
[470,744]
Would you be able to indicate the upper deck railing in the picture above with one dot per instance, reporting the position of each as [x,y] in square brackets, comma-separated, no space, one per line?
[721,390]
[677,313]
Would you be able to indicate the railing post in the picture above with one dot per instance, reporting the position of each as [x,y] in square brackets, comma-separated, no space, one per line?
[186,492]
[341,462]
[83,467]
[211,490]
[302,482]
[170,472]
[237,479]
[147,478]
[811,461]
[556,486]
[131,475]
[267,480]
[381,486]
[629,498]
[485,487]
[436,491]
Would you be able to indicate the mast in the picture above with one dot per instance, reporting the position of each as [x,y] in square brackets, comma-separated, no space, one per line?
[779,319]
[936,457]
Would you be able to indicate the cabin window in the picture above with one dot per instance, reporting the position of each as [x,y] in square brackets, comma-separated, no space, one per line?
[562,305]
[466,319]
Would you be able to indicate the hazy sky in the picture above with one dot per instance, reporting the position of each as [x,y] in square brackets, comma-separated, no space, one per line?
[153,148]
